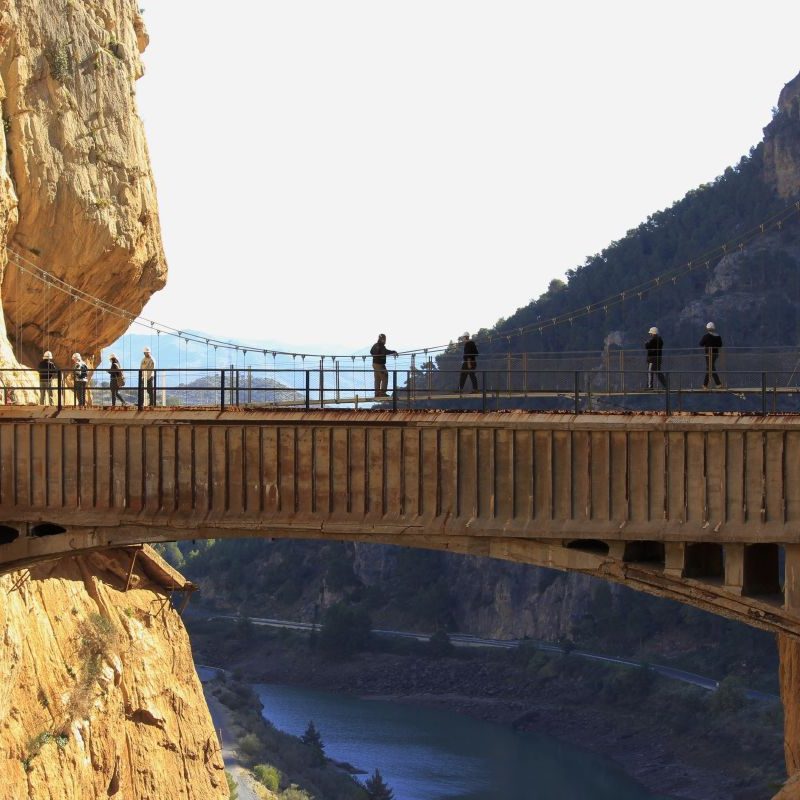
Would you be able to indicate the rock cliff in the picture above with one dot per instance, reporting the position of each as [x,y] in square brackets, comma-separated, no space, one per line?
[99,696]
[782,142]
[77,196]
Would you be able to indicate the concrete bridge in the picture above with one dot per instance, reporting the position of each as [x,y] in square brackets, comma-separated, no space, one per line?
[704,509]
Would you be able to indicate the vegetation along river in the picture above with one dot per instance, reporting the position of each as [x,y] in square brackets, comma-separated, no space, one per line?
[427,754]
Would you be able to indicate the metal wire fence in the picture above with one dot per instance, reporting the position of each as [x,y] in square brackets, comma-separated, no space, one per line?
[762,382]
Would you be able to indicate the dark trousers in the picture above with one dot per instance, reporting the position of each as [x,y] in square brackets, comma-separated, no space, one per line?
[80,393]
[653,371]
[467,372]
[711,369]
[381,379]
[45,389]
[115,395]
[150,385]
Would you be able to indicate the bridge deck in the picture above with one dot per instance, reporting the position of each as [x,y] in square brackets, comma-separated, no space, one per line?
[702,507]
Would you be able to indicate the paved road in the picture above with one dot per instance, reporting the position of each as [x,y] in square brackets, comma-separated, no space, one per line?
[466,640]
[221,717]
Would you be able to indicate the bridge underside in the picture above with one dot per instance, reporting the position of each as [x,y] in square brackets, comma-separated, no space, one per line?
[700,509]
[733,580]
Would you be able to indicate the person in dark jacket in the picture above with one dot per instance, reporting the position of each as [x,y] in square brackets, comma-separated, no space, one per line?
[469,364]
[116,381]
[711,343]
[80,377]
[379,353]
[654,345]
[48,372]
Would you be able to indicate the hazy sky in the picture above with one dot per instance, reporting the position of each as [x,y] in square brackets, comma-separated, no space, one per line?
[329,170]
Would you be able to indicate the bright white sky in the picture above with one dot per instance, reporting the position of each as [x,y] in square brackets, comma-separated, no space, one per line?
[329,170]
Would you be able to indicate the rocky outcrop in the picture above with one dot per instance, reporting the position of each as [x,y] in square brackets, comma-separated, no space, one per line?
[77,196]
[99,697]
[782,143]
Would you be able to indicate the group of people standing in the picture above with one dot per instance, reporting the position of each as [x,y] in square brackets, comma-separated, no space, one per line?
[711,344]
[49,374]
[379,351]
[654,346]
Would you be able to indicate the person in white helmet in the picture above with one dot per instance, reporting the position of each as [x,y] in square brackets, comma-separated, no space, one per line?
[654,345]
[116,380]
[147,370]
[80,377]
[48,372]
[711,343]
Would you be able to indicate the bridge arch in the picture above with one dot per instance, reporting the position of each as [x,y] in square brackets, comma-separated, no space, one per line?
[703,510]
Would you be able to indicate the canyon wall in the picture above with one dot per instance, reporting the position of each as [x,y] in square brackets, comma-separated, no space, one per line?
[77,196]
[99,696]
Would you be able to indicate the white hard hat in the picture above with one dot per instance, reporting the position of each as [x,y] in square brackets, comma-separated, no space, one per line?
[76,356]
[653,331]
[465,335]
[710,326]
[47,354]
[113,357]
[147,350]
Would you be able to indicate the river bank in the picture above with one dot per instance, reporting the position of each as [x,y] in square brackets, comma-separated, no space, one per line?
[671,738]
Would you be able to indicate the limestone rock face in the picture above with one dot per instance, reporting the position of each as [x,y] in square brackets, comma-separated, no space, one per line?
[782,143]
[77,196]
[99,697]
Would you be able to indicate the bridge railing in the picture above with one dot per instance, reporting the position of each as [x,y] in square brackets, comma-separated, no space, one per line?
[498,384]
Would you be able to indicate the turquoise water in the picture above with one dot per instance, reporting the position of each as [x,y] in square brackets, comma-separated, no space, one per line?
[426,754]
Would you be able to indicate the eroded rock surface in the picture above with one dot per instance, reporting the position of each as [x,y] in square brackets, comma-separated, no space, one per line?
[77,196]
[782,142]
[99,696]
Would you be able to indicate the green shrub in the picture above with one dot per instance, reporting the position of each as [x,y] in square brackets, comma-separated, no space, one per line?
[59,61]
[268,776]
[250,746]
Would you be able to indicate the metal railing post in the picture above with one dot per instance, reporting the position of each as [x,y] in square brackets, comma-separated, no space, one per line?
[140,396]
[222,390]
[483,390]
[308,388]
[525,373]
[577,393]
[667,408]
[60,390]
[763,394]
[322,382]
[394,390]
[336,368]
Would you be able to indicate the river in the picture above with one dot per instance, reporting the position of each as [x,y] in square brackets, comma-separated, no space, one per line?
[426,754]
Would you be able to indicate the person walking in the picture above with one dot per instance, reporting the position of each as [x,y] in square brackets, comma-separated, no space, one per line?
[379,353]
[711,343]
[80,379]
[469,364]
[654,345]
[147,370]
[116,381]
[48,372]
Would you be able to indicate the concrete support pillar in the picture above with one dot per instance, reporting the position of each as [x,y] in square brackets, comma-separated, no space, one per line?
[734,568]
[616,550]
[674,558]
[791,578]
[789,651]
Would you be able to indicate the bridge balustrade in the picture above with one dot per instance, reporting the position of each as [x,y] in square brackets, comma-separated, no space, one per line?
[759,381]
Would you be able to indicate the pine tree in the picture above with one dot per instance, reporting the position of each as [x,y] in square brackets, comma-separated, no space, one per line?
[312,739]
[377,788]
